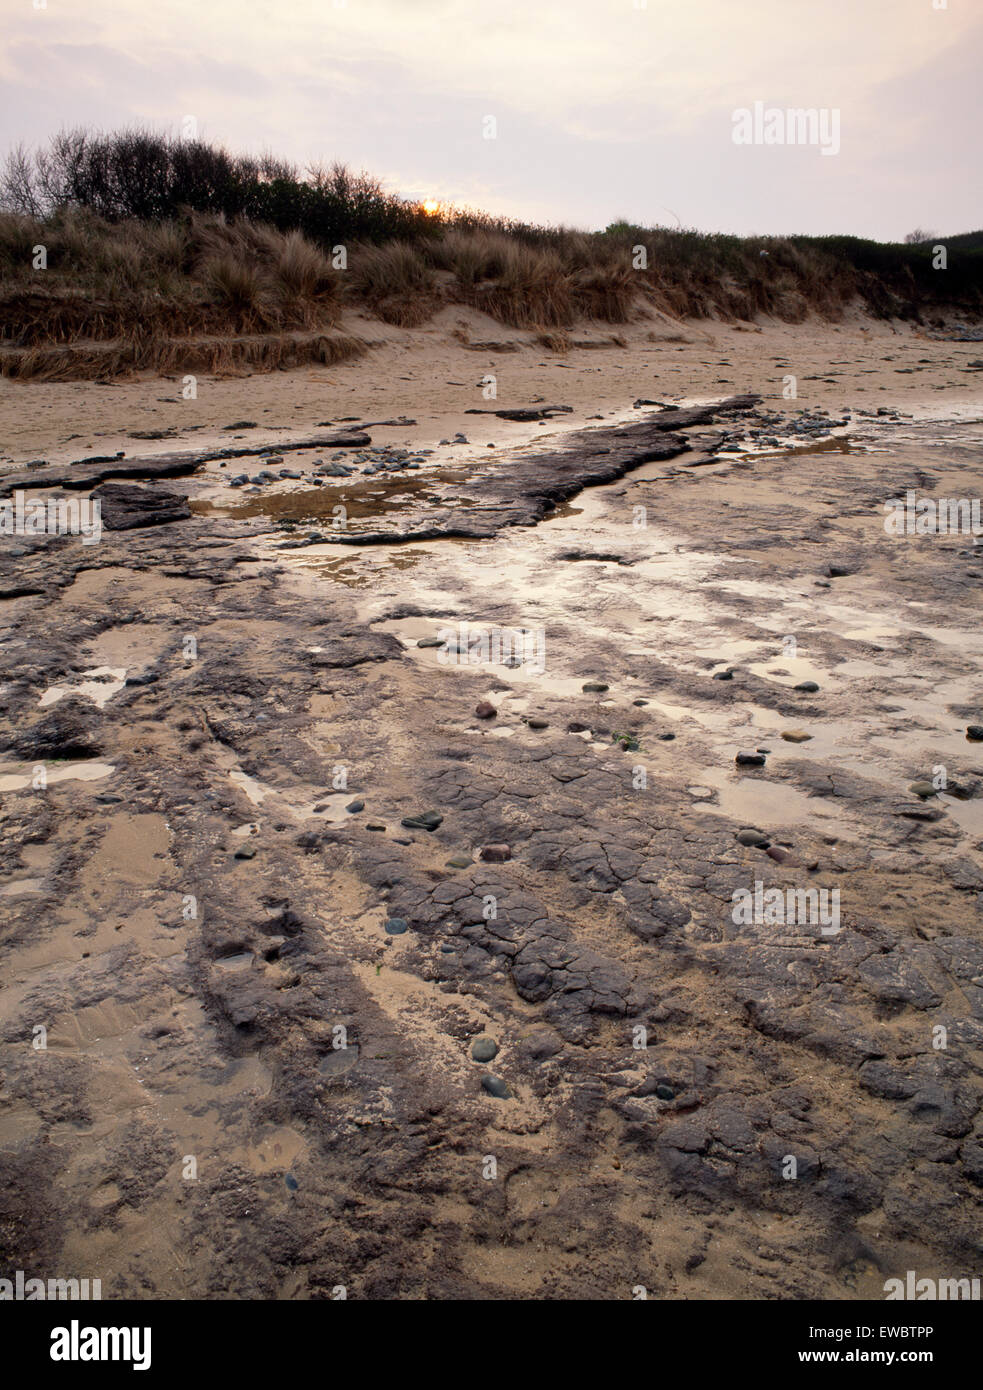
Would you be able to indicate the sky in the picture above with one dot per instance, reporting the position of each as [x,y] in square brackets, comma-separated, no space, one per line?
[602,109]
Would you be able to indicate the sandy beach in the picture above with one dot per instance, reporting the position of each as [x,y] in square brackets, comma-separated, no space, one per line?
[429,375]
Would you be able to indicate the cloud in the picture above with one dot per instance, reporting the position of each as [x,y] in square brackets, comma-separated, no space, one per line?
[602,108]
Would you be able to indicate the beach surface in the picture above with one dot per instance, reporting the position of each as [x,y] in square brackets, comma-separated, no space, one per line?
[544,643]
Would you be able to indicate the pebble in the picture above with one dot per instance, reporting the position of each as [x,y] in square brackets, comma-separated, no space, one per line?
[495,1086]
[922,789]
[807,687]
[751,837]
[665,1092]
[460,861]
[355,806]
[484,1049]
[538,723]
[496,854]
[396,926]
[750,760]
[426,820]
[245,852]
[782,856]
[485,710]
[974,732]
[595,688]
[374,825]
[795,735]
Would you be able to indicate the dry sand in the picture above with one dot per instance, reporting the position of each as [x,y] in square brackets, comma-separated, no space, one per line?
[430,376]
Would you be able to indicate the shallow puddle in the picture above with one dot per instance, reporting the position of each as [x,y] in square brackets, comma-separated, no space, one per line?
[968,815]
[791,671]
[329,807]
[99,685]
[834,444]
[82,771]
[358,498]
[765,804]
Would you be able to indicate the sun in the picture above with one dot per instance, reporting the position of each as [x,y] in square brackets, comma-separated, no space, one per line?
[431,207]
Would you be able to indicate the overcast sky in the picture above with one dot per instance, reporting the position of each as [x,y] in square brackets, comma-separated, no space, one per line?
[603,110]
